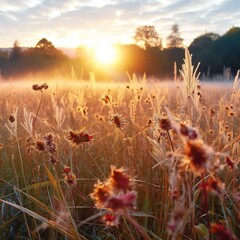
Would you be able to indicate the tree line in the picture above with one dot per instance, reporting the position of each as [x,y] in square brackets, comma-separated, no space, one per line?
[146,55]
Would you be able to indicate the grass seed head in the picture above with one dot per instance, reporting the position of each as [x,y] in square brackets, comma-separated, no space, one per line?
[50,145]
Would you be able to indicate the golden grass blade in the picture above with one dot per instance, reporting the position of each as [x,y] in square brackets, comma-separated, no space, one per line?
[50,223]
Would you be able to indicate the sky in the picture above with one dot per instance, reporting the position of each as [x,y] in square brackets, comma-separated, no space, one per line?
[71,23]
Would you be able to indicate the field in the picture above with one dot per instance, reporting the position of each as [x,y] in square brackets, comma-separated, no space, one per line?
[140,159]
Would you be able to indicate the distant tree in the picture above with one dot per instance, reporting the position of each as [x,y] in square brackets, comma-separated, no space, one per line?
[203,42]
[45,47]
[227,48]
[146,36]
[16,51]
[4,54]
[174,40]
[44,44]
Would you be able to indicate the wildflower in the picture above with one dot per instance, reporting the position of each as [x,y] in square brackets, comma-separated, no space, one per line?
[197,156]
[66,169]
[122,201]
[188,132]
[116,194]
[78,138]
[111,219]
[106,99]
[11,118]
[214,185]
[221,232]
[41,87]
[101,194]
[165,124]
[40,145]
[120,179]
[69,178]
[118,120]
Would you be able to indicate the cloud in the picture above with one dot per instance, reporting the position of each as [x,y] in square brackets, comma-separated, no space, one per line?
[115,20]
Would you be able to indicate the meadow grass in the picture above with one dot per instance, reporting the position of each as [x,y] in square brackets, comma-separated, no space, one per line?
[178,144]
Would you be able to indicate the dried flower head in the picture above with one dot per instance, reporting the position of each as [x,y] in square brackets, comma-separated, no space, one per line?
[122,201]
[118,120]
[120,179]
[41,87]
[101,194]
[106,99]
[214,185]
[116,194]
[111,219]
[79,138]
[165,123]
[40,145]
[188,132]
[69,177]
[197,156]
[66,169]
[11,118]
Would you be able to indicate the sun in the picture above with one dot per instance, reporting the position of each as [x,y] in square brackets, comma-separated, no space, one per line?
[105,54]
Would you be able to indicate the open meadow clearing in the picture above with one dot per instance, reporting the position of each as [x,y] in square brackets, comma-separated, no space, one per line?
[133,160]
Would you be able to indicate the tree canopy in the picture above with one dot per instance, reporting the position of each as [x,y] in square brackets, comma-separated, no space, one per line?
[174,40]
[147,37]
